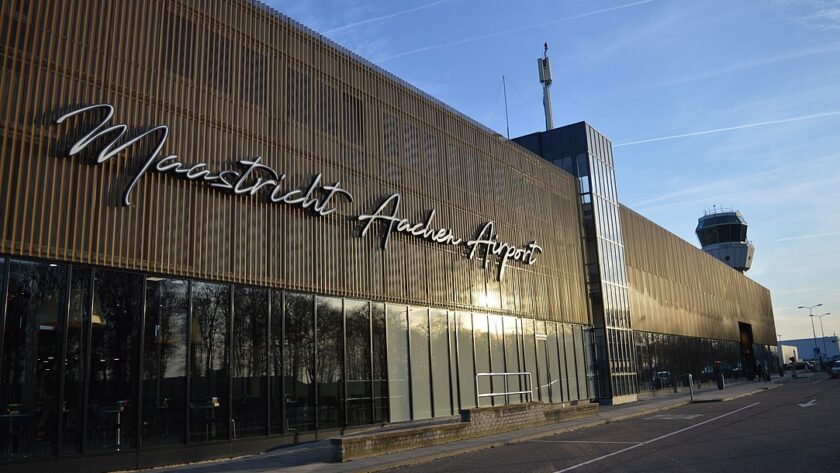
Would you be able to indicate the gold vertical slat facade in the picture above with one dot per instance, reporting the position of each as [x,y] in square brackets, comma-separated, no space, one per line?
[677,288]
[232,80]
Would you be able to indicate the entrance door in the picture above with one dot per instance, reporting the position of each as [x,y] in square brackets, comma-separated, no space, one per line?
[747,355]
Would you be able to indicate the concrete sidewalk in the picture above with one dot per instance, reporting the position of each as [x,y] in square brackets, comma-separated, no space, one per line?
[315,456]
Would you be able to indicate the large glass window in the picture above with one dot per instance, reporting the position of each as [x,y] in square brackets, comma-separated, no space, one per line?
[512,364]
[380,363]
[452,333]
[529,354]
[570,374]
[359,402]
[398,379]
[209,355]
[299,362]
[482,357]
[542,361]
[497,357]
[421,388]
[165,361]
[276,362]
[248,370]
[554,368]
[330,362]
[28,381]
[439,334]
[466,369]
[75,359]
[580,362]
[112,400]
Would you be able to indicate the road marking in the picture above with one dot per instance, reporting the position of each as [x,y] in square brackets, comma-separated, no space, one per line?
[581,441]
[647,442]
[810,403]
[817,381]
[674,417]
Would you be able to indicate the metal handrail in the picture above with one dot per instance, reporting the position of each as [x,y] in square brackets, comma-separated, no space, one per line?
[506,393]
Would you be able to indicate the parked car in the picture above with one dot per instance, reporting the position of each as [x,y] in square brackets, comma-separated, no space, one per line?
[661,379]
[835,369]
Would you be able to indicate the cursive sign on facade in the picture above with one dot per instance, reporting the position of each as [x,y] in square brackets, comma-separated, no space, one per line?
[485,243]
[252,177]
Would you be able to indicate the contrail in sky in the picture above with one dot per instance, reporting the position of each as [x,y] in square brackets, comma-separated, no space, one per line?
[808,236]
[730,128]
[385,17]
[515,30]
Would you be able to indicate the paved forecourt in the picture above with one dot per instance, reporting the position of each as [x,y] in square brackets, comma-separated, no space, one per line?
[790,429]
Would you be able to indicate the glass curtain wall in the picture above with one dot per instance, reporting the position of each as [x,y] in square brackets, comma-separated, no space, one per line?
[75,359]
[202,362]
[421,388]
[275,365]
[248,367]
[359,403]
[399,389]
[554,368]
[481,344]
[380,362]
[165,361]
[497,358]
[329,362]
[663,360]
[466,359]
[299,362]
[439,343]
[28,388]
[115,327]
[209,362]
[512,363]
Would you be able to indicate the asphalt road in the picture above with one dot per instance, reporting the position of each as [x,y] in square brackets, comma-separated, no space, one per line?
[794,428]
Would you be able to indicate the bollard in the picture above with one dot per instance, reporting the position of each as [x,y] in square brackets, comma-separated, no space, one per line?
[691,387]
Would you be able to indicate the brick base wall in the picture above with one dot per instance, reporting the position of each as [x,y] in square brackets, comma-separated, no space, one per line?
[474,423]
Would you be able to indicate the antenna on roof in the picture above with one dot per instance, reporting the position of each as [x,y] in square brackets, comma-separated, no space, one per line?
[545,79]
[507,120]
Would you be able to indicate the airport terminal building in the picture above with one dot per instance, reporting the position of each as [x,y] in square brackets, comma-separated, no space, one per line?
[221,233]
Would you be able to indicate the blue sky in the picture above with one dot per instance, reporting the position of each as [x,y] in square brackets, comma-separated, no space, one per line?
[707,103]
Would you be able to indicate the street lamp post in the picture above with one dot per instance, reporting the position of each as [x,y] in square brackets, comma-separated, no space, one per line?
[822,331]
[811,315]
[781,355]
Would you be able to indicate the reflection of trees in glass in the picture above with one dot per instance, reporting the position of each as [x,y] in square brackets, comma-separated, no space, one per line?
[249,360]
[117,301]
[208,361]
[30,352]
[74,365]
[211,304]
[357,320]
[299,361]
[251,309]
[276,362]
[358,340]
[166,313]
[117,305]
[164,360]
[330,338]
[330,360]
[380,363]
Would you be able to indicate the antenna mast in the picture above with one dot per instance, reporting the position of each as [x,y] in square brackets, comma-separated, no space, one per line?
[545,80]
[507,120]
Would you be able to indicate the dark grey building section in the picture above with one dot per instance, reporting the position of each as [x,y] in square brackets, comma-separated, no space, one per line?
[587,154]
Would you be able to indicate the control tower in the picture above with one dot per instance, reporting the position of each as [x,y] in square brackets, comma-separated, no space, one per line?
[723,234]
